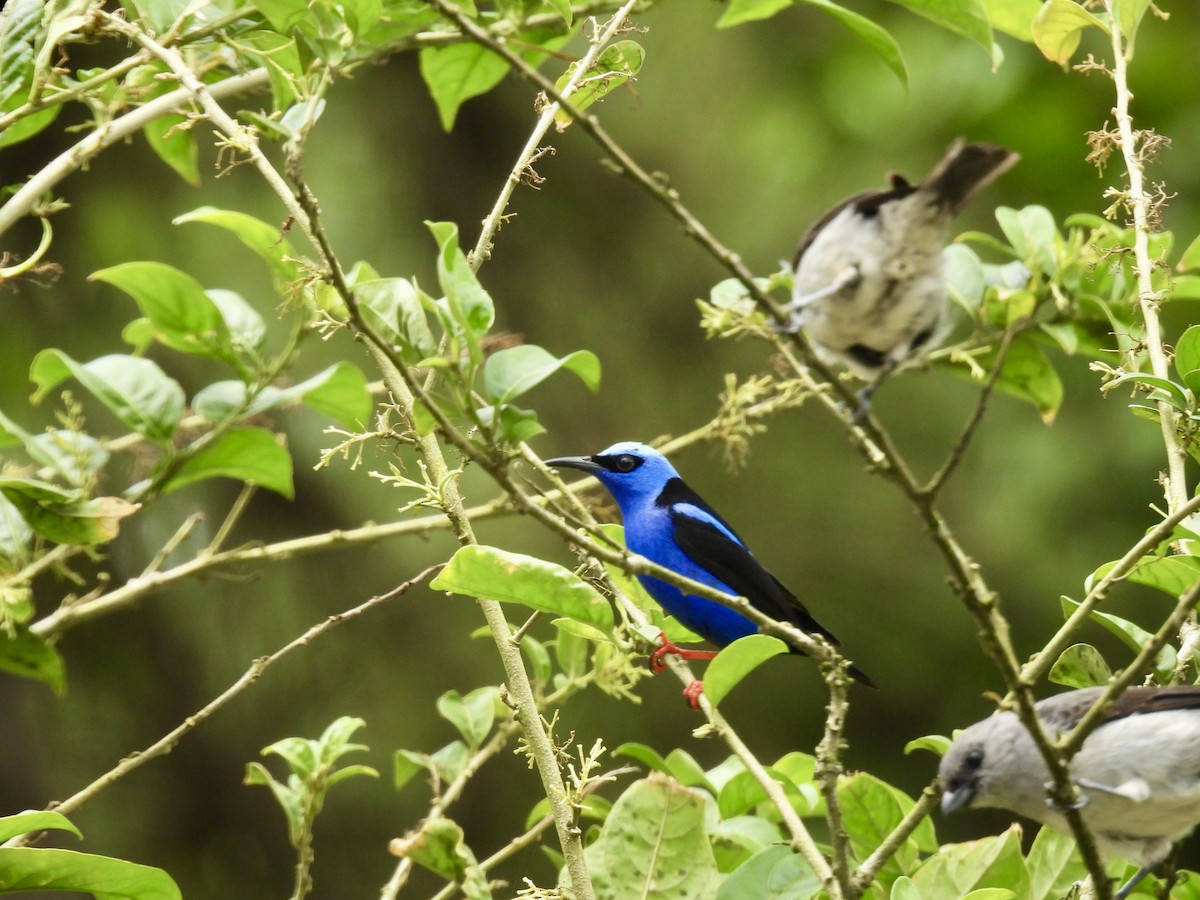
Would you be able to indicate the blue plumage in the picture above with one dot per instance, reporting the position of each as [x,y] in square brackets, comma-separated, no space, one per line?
[670,524]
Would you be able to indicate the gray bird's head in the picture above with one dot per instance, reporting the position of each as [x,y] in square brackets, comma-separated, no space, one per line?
[990,764]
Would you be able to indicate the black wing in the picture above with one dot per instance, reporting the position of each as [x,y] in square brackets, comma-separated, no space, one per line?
[729,560]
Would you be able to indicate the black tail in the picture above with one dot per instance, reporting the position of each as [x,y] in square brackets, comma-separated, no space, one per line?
[965,169]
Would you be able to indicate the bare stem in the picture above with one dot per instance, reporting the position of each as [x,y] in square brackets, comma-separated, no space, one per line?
[1148,298]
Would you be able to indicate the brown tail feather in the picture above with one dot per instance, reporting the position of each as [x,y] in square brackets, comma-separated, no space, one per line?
[965,169]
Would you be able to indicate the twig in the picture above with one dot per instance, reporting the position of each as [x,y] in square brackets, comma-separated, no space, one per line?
[829,770]
[1036,668]
[30,193]
[954,457]
[865,873]
[167,743]
[1148,298]
[135,589]
[483,246]
[1069,745]
[474,763]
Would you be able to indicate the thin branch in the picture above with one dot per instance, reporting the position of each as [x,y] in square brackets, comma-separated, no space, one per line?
[954,457]
[1069,745]
[513,847]
[119,129]
[1036,668]
[137,588]
[475,762]
[168,742]
[871,866]
[483,246]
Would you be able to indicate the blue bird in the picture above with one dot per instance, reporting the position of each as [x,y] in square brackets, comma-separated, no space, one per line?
[671,525]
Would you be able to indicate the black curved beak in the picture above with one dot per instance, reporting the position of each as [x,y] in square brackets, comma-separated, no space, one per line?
[958,797]
[583,463]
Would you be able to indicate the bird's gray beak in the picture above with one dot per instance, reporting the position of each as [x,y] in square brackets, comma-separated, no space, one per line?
[958,798]
[583,463]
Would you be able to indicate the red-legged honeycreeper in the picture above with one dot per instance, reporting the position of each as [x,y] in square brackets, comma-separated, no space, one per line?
[671,525]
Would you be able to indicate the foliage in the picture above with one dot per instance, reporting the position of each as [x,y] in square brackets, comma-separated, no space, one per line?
[207,386]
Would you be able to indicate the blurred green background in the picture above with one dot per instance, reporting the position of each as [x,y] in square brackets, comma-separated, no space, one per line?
[759,128]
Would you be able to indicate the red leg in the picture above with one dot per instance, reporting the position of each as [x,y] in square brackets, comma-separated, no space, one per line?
[667,648]
[693,692]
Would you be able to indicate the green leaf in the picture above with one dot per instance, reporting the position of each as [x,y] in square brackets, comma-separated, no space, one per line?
[775,872]
[1032,232]
[472,715]
[29,822]
[1013,17]
[934,743]
[1171,392]
[247,330]
[653,845]
[1129,13]
[470,305]
[406,764]
[738,660]
[870,810]
[21,29]
[736,840]
[1191,256]
[582,630]
[1027,374]
[1056,28]
[457,73]
[1079,666]
[137,391]
[904,889]
[283,14]
[393,309]
[958,869]
[739,11]
[877,37]
[563,8]
[266,240]
[965,17]
[494,574]
[683,767]
[647,756]
[25,654]
[1187,354]
[511,372]
[449,762]
[66,521]
[175,146]
[616,64]
[252,455]
[1170,574]
[1053,864]
[184,317]
[1131,635]
[27,127]
[439,847]
[33,869]
[340,392]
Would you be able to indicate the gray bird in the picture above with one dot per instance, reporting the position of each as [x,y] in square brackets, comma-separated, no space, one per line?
[868,285]
[1138,773]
